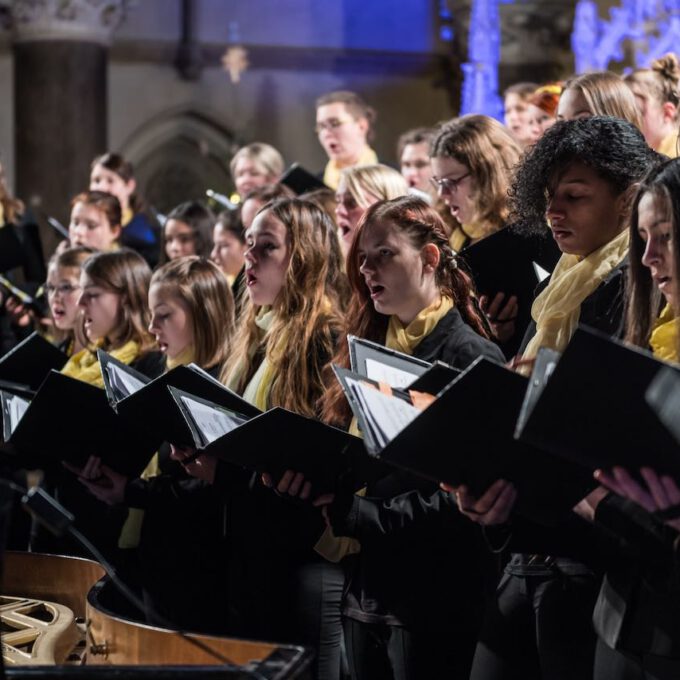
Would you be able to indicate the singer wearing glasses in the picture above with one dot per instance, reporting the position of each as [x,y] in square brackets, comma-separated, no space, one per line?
[344,124]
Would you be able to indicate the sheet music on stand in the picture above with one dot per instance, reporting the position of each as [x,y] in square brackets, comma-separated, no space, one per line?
[122,382]
[211,423]
[391,375]
[386,416]
[13,409]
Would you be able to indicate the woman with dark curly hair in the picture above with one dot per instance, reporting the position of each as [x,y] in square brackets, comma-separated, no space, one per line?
[579,178]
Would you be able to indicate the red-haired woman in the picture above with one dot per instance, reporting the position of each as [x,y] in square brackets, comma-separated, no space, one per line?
[408,579]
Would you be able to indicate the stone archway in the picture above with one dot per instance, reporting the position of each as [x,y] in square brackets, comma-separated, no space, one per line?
[178,156]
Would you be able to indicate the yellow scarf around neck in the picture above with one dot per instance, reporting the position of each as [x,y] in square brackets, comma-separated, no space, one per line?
[184,358]
[665,336]
[84,365]
[331,175]
[257,390]
[467,234]
[557,309]
[406,339]
[128,216]
[669,145]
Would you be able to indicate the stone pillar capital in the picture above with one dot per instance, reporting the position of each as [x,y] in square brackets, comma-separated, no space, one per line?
[91,21]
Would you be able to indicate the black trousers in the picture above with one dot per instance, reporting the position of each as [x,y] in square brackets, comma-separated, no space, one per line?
[381,652]
[538,628]
[611,664]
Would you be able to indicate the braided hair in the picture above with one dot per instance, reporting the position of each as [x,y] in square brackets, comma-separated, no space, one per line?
[423,225]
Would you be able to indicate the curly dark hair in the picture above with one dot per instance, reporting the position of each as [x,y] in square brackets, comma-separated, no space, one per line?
[615,149]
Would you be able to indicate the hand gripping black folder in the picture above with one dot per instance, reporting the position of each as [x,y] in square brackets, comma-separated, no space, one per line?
[663,396]
[278,440]
[466,437]
[591,407]
[428,377]
[70,420]
[148,405]
[30,361]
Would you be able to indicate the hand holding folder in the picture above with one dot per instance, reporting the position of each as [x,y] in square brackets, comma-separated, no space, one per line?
[465,437]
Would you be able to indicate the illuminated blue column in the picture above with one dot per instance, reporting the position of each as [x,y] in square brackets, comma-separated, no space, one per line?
[480,72]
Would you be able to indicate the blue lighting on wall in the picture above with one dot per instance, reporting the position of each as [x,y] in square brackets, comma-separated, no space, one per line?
[652,26]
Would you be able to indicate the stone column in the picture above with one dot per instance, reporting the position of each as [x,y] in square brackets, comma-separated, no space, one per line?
[60,96]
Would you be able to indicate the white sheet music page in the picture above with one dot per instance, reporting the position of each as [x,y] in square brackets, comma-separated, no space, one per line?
[122,382]
[387,416]
[211,422]
[394,377]
[17,407]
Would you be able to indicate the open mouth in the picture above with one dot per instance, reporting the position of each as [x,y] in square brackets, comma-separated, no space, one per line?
[559,234]
[162,346]
[58,313]
[345,229]
[375,290]
[251,279]
[662,281]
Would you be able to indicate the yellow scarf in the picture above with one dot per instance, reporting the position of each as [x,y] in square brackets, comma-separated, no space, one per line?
[557,309]
[184,358]
[128,216]
[406,339]
[331,175]
[669,145]
[469,233]
[664,338]
[132,529]
[84,365]
[257,390]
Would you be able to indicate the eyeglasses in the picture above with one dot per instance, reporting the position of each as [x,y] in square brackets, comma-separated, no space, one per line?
[447,185]
[62,289]
[330,125]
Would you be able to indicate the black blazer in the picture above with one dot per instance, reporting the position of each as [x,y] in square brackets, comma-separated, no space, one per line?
[420,560]
[638,609]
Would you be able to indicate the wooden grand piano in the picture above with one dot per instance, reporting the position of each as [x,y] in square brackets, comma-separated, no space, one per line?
[46,594]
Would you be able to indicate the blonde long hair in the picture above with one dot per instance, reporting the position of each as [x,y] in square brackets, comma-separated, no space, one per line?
[308,313]
[204,290]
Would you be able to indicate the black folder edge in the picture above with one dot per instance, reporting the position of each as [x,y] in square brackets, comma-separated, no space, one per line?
[131,464]
[57,358]
[352,448]
[360,350]
[300,180]
[432,377]
[544,365]
[104,360]
[663,396]
[582,332]
[435,411]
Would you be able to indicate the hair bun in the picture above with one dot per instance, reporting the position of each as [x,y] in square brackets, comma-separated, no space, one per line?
[667,67]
